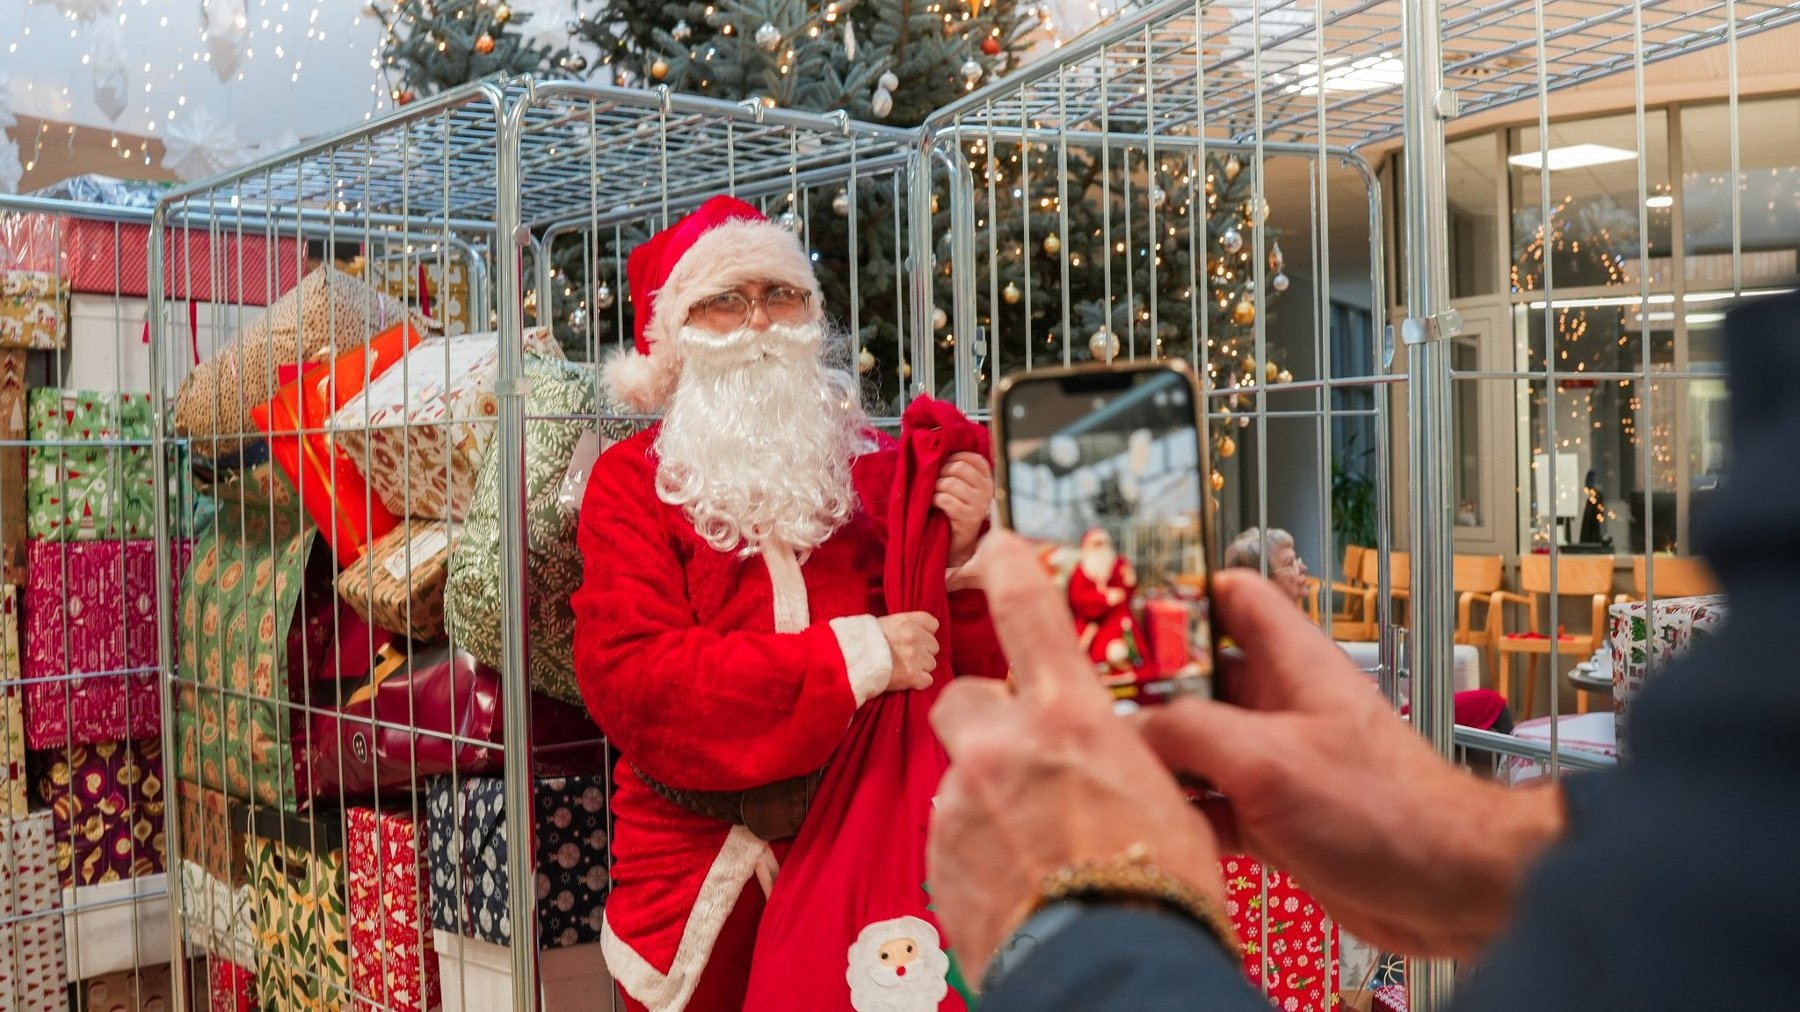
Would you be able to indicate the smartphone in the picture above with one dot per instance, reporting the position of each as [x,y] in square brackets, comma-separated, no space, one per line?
[1103,468]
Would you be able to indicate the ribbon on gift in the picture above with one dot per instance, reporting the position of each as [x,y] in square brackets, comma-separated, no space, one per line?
[193,328]
[424,292]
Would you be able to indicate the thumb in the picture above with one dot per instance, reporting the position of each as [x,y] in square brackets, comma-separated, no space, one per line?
[1217,742]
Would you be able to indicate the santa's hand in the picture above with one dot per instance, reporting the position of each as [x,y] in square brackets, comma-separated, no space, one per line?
[965,492]
[1046,778]
[912,640]
[1115,597]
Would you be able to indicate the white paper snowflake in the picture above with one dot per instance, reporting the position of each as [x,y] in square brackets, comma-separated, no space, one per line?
[85,10]
[199,144]
[10,169]
[227,34]
[112,78]
[7,119]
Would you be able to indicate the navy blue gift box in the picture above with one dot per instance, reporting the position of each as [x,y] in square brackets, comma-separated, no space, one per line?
[466,825]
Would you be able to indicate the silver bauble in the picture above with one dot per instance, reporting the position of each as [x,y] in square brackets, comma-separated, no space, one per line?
[578,318]
[1279,282]
[881,104]
[1104,345]
[682,31]
[939,318]
[603,295]
[888,81]
[575,63]
[1157,196]
[971,71]
[1231,239]
[840,203]
[790,221]
[768,37]
[572,26]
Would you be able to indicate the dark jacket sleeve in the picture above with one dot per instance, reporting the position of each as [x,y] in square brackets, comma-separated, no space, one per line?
[1117,959]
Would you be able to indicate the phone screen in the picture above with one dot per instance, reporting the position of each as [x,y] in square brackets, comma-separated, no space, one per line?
[1102,471]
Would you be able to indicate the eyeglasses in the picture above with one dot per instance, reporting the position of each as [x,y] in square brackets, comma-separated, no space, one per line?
[731,310]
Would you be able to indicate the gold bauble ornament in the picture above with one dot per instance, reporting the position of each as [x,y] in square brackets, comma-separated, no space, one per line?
[659,70]
[502,14]
[1052,244]
[1284,377]
[906,370]
[484,43]
[1011,294]
[1227,446]
[1248,364]
[1244,313]
[1218,481]
[1232,168]
[865,360]
[1270,371]
[531,301]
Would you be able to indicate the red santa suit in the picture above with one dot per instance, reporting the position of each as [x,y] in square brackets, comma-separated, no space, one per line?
[1100,598]
[715,671]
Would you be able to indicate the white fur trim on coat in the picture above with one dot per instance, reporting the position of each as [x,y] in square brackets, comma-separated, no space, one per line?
[735,864]
[724,257]
[866,655]
[793,613]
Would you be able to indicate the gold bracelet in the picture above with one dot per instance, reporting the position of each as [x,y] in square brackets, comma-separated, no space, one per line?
[1133,876]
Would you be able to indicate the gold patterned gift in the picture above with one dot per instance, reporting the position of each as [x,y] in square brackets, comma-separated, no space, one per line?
[34,310]
[399,584]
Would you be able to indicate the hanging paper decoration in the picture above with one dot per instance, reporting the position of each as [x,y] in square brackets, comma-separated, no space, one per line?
[112,78]
[10,169]
[227,34]
[199,144]
[7,119]
[82,10]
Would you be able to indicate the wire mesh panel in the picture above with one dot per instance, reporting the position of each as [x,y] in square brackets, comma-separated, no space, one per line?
[380,600]
[81,495]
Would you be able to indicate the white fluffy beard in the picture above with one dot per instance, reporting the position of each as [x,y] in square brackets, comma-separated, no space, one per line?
[756,443]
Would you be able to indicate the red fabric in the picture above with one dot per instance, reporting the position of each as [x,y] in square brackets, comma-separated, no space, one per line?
[650,263]
[858,864]
[679,662]
[1477,708]
[1099,622]
[230,987]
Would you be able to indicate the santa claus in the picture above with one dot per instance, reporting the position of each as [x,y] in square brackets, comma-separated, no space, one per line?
[897,965]
[731,619]
[1100,593]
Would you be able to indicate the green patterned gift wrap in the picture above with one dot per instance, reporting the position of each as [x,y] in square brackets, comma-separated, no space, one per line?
[297,888]
[77,491]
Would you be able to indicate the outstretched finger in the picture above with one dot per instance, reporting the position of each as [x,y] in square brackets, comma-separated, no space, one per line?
[1031,618]
[966,706]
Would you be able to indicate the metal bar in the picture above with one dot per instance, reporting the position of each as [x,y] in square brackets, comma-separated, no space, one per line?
[509,390]
[1431,460]
[962,272]
[920,267]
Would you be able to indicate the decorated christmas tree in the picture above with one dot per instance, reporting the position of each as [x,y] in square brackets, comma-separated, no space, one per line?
[894,63]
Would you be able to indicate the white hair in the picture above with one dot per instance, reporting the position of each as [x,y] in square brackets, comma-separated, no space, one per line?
[1245,551]
[758,438]
[875,987]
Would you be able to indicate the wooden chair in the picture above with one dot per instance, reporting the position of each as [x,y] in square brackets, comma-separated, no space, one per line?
[1676,576]
[1476,579]
[1588,576]
[1353,600]
[1399,580]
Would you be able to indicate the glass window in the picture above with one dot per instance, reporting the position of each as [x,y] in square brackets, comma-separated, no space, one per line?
[1465,395]
[1473,175]
[1593,239]
[1769,185]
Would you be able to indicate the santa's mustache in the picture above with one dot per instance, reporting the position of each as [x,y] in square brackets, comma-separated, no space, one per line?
[747,344]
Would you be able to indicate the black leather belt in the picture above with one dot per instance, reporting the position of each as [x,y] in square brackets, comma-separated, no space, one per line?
[771,811]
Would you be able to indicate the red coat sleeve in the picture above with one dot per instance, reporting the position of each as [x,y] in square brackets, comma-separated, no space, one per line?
[1087,600]
[694,708]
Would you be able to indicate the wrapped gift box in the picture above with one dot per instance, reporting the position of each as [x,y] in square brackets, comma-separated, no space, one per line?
[469,888]
[1640,638]
[327,313]
[218,919]
[90,611]
[399,584]
[297,881]
[34,310]
[14,500]
[12,713]
[107,350]
[329,484]
[393,966]
[106,800]
[212,833]
[229,987]
[423,426]
[113,258]
[552,561]
[1290,943]
[116,927]
[444,296]
[80,492]
[145,989]
[32,967]
[478,976]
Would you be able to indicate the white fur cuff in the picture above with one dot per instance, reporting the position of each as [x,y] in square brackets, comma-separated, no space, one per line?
[866,655]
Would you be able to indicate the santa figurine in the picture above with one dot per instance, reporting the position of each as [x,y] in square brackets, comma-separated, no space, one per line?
[731,616]
[1101,589]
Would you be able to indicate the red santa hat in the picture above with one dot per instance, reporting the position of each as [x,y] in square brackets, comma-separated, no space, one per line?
[722,244]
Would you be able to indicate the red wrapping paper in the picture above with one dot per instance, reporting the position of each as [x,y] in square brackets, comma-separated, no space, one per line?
[1291,954]
[114,259]
[393,966]
[229,987]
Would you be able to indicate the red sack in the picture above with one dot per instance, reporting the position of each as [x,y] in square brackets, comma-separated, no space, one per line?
[435,711]
[848,924]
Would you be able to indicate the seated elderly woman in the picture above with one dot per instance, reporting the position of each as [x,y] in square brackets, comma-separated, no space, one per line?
[1478,708]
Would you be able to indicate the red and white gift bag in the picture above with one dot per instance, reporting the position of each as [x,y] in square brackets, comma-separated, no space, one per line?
[393,966]
[1290,943]
[32,965]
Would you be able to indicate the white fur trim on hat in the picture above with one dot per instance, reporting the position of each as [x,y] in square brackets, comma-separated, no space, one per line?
[726,256]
